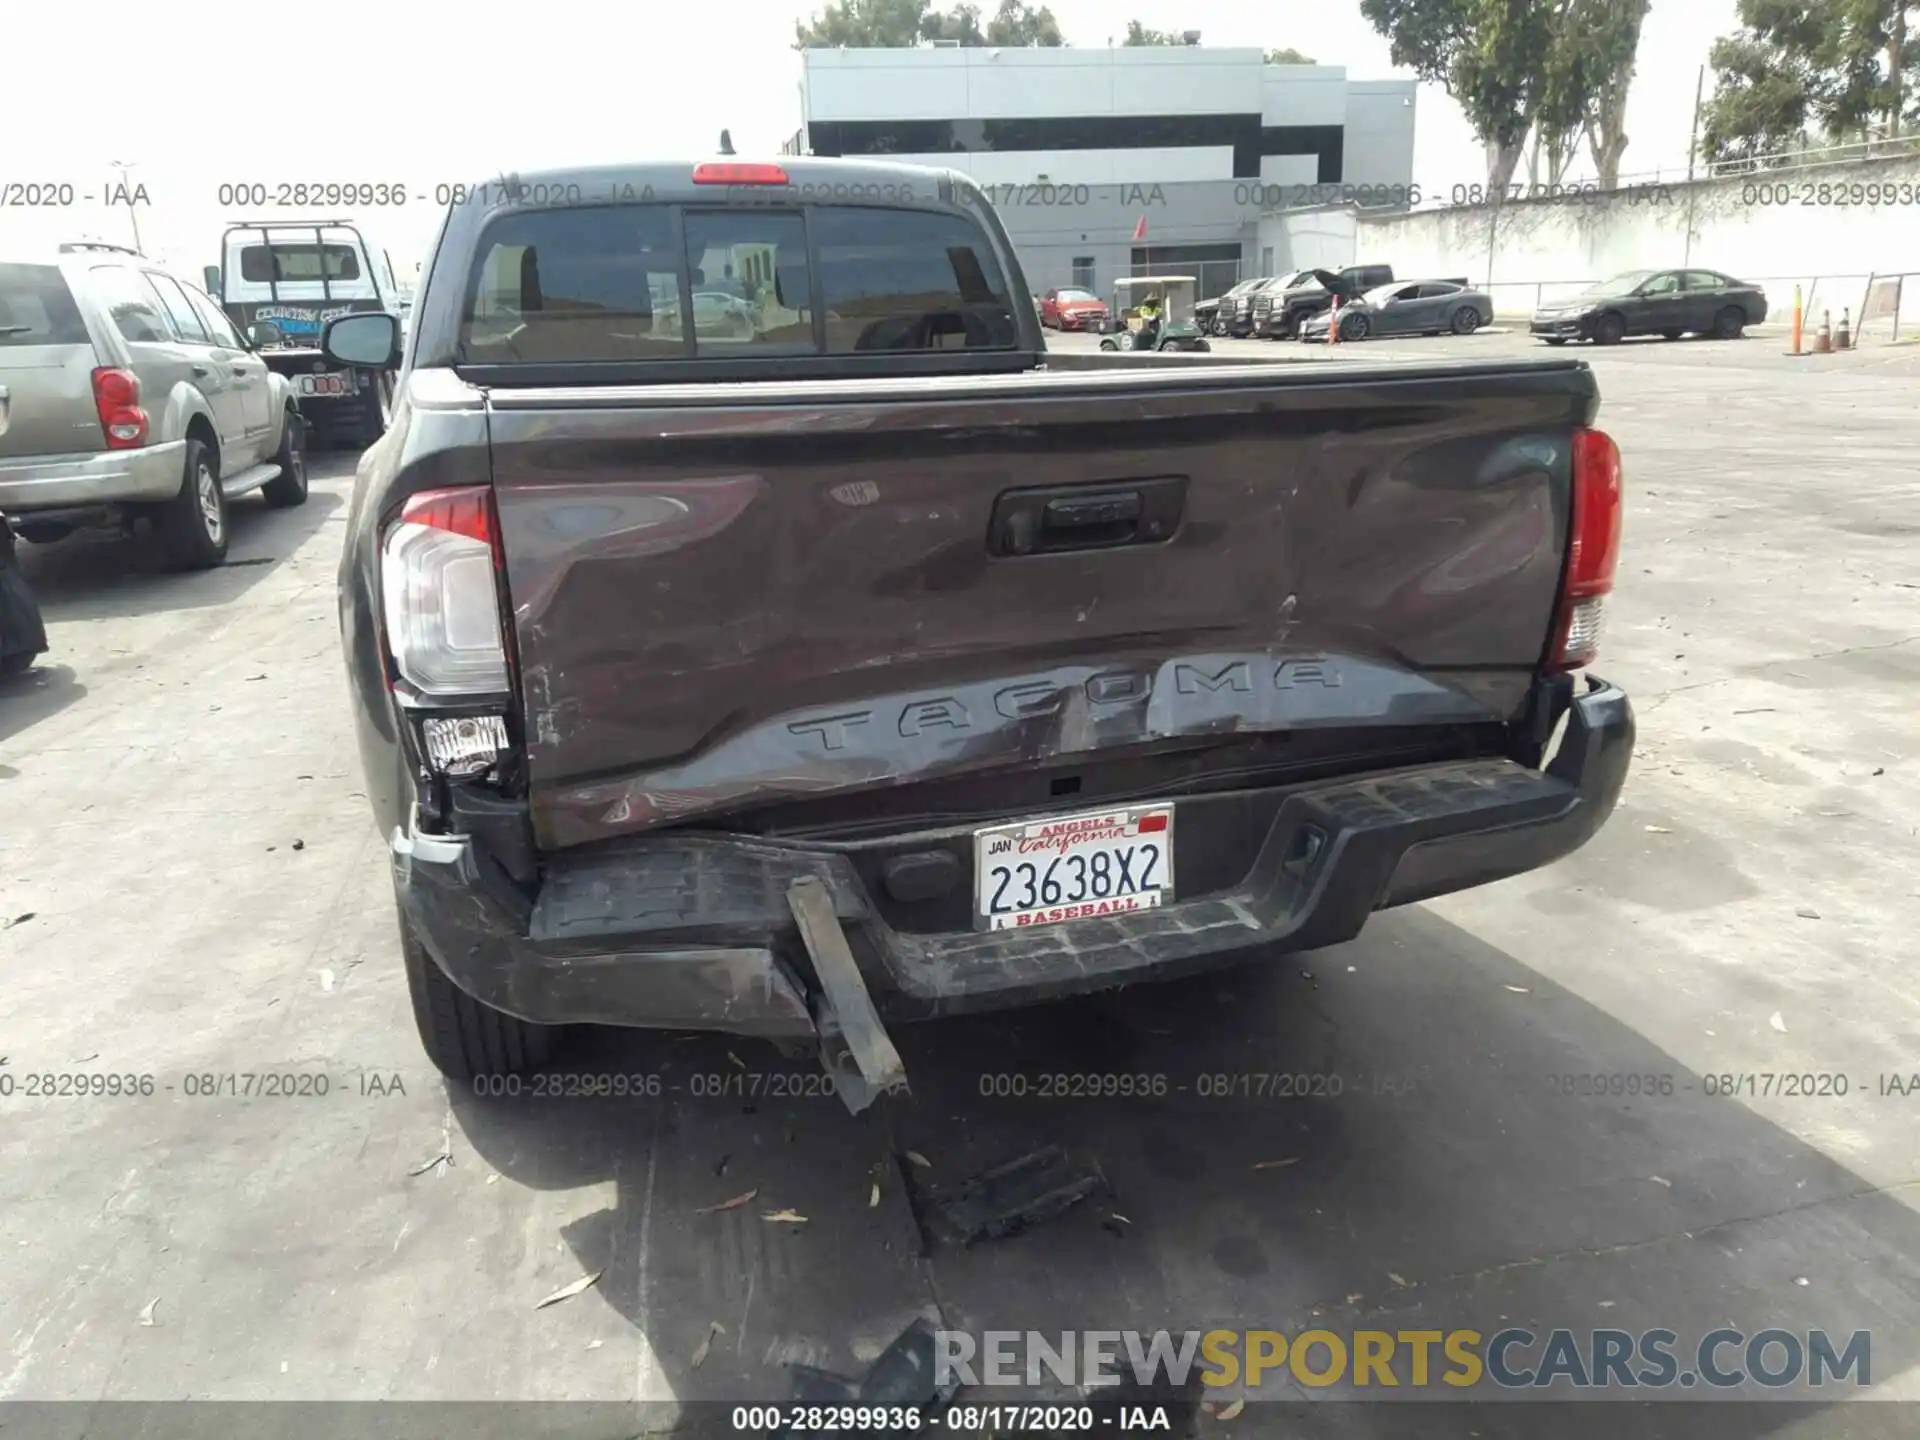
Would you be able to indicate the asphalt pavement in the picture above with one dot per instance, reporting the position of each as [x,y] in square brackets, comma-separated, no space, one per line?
[191,890]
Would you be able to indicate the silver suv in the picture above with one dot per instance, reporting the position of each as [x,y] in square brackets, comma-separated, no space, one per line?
[127,392]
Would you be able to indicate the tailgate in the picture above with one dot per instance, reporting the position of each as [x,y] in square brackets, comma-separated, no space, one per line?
[727,595]
[46,368]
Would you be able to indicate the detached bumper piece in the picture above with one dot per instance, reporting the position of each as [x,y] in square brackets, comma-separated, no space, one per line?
[700,932]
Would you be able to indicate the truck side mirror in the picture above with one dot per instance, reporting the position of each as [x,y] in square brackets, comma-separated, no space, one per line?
[369,341]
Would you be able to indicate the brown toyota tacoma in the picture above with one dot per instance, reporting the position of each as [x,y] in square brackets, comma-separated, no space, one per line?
[752,627]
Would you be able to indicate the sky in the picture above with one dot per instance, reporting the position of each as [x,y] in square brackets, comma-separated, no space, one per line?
[419,95]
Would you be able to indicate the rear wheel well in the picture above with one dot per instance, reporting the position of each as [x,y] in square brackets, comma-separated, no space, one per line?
[200,428]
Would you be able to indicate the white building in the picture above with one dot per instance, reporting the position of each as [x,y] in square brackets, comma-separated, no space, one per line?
[1083,150]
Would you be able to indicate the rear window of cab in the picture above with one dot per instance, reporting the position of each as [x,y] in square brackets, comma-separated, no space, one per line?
[604,284]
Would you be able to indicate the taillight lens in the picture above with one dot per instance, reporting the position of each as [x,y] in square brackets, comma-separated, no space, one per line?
[1593,547]
[440,590]
[116,398]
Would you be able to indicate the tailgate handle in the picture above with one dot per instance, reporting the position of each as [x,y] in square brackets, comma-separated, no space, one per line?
[1041,522]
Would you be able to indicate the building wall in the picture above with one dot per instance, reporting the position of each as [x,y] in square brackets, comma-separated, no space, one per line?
[1541,249]
[1379,121]
[1067,204]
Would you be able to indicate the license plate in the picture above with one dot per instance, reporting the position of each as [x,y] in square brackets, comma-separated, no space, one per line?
[1073,867]
[325,384]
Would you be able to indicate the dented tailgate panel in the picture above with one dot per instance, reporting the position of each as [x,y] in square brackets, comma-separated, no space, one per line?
[795,592]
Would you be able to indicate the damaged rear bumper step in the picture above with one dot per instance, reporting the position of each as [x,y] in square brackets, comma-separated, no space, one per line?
[699,933]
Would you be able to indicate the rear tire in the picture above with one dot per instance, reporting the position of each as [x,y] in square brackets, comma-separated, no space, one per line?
[1465,320]
[42,534]
[193,525]
[289,487]
[16,664]
[464,1039]
[1554,339]
[1729,323]
[1671,334]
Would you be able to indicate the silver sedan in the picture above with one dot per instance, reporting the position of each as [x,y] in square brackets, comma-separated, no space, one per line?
[1408,307]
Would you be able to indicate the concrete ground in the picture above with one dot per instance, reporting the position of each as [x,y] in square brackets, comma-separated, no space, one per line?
[192,888]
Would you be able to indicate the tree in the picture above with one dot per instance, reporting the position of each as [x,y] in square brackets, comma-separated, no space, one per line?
[1289,57]
[863,24]
[1558,70]
[1138,34]
[901,24]
[1803,72]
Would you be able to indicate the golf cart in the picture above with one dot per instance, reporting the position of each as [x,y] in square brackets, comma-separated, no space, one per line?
[1177,328]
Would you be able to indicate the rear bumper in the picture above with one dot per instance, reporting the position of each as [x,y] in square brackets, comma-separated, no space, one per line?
[690,932]
[61,482]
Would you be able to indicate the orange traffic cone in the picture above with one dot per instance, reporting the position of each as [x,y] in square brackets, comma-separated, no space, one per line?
[1842,339]
[1823,341]
[1333,323]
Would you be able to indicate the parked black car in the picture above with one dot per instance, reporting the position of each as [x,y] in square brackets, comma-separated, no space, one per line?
[1654,302]
[23,635]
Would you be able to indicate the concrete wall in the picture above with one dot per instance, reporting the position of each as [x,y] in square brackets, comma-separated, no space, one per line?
[1543,249]
[1305,240]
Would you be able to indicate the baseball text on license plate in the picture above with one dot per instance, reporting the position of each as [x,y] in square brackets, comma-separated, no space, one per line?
[1073,867]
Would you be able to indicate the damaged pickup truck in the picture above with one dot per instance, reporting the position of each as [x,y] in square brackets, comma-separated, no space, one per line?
[858,662]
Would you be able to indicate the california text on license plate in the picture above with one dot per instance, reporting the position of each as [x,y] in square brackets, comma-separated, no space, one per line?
[1073,867]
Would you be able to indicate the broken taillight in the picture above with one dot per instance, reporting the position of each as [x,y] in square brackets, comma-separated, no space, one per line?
[440,564]
[1593,548]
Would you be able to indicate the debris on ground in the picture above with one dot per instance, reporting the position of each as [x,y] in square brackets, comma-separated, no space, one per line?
[873,1197]
[1807,914]
[567,1292]
[1014,1197]
[1519,989]
[734,1204]
[1276,1164]
[1777,1022]
[146,1311]
[1232,1411]
[917,1158]
[901,1376]
[445,1157]
[714,1327]
[784,1217]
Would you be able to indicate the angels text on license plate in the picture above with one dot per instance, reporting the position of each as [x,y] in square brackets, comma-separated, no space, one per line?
[1073,867]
